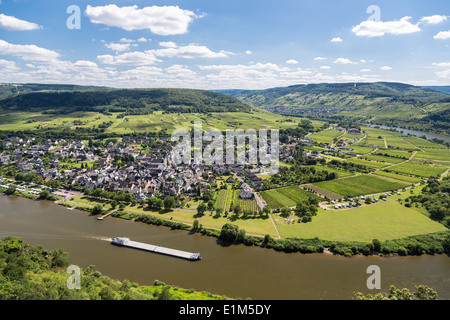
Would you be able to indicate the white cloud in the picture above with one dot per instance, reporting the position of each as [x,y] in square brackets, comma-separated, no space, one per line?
[170,50]
[165,20]
[14,24]
[292,61]
[130,58]
[7,66]
[337,39]
[319,58]
[180,71]
[441,64]
[365,70]
[435,19]
[325,67]
[190,52]
[142,39]
[248,52]
[168,44]
[28,52]
[381,28]
[126,40]
[84,64]
[443,35]
[385,68]
[344,61]
[118,47]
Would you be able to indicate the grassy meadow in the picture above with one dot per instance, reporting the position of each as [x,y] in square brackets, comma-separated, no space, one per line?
[383,221]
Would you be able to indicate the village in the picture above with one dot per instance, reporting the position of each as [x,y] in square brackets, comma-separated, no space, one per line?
[122,166]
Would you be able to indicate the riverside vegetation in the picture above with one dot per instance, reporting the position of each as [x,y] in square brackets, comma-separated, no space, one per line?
[32,273]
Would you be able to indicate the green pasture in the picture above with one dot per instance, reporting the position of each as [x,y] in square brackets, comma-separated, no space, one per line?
[383,221]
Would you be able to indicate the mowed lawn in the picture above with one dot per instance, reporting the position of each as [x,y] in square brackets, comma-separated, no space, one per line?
[383,221]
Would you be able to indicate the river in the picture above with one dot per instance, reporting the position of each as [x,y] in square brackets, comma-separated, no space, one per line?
[413,132]
[236,271]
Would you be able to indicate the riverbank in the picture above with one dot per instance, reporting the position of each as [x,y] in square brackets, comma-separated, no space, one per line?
[433,243]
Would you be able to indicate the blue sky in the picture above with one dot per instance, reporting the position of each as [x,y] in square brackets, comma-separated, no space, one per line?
[215,44]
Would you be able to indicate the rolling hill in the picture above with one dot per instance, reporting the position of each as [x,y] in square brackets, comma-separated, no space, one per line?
[128,101]
[394,104]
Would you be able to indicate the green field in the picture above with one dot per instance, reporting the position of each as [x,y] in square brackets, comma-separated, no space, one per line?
[360,185]
[341,173]
[384,159]
[435,155]
[361,150]
[383,221]
[420,169]
[368,163]
[326,136]
[156,122]
[402,177]
[286,197]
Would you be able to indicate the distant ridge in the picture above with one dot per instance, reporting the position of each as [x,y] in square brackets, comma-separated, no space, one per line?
[8,89]
[445,89]
[60,100]
[389,103]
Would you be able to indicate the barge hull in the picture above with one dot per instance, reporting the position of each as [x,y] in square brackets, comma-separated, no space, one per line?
[159,249]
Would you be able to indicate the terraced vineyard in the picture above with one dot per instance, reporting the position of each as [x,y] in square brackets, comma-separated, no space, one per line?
[227,199]
[224,199]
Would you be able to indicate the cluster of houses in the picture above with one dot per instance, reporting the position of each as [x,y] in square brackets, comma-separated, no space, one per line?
[342,146]
[148,174]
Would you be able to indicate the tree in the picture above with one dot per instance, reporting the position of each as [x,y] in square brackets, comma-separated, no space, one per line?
[195,225]
[11,189]
[211,205]
[229,232]
[97,209]
[201,208]
[285,212]
[240,236]
[169,203]
[376,245]
[44,194]
[422,293]
[155,203]
[114,204]
[301,209]
[59,258]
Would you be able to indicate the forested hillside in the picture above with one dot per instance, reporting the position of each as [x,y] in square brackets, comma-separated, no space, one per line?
[129,101]
[8,89]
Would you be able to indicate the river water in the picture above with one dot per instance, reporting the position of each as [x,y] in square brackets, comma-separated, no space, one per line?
[236,271]
[414,132]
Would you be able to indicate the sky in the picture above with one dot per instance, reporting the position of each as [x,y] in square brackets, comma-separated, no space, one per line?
[218,44]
